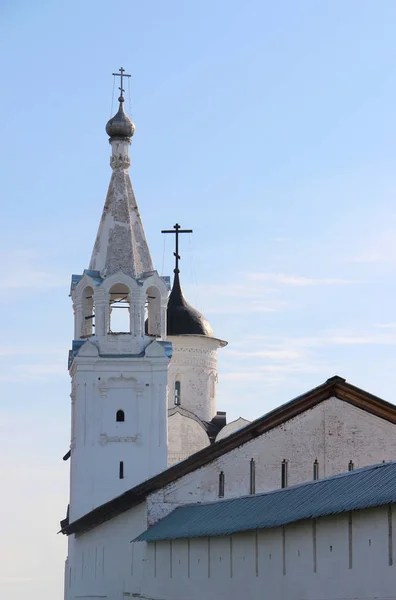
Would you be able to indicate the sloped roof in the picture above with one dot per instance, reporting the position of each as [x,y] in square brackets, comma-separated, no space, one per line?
[335,386]
[356,490]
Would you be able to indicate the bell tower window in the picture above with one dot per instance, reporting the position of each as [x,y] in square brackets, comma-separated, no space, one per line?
[153,312]
[120,416]
[119,309]
[88,324]
[177,397]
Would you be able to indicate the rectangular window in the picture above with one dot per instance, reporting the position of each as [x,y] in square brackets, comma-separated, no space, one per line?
[351,466]
[316,470]
[252,476]
[177,392]
[284,474]
[121,471]
[221,485]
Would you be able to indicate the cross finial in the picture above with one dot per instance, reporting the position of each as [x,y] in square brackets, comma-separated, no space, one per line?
[121,74]
[176,230]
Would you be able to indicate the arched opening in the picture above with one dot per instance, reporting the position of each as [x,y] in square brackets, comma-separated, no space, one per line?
[120,416]
[153,312]
[119,309]
[88,322]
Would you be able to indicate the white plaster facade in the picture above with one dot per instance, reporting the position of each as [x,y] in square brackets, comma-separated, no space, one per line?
[333,433]
[186,435]
[109,456]
[194,366]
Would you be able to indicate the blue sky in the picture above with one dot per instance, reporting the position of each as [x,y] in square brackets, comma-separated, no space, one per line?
[267,127]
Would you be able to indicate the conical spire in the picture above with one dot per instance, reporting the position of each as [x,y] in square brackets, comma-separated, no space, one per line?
[121,242]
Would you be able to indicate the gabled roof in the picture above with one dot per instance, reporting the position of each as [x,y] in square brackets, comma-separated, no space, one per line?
[356,490]
[335,386]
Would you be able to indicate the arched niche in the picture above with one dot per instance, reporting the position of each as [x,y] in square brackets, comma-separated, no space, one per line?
[88,312]
[119,309]
[153,311]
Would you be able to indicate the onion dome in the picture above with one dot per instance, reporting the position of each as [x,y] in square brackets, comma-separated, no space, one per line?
[182,318]
[120,126]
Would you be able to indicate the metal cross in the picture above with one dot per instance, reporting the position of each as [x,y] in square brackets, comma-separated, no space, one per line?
[176,230]
[121,74]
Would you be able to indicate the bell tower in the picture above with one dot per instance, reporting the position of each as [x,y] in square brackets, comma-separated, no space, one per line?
[118,369]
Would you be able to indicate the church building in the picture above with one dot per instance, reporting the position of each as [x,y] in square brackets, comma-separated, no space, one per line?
[167,500]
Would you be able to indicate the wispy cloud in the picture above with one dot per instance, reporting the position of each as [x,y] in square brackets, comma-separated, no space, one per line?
[23,269]
[378,250]
[285,279]
[257,292]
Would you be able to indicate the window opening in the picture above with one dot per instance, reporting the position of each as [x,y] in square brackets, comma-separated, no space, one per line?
[284,474]
[221,485]
[351,465]
[252,476]
[153,312]
[119,310]
[177,393]
[120,416]
[316,470]
[88,323]
[121,470]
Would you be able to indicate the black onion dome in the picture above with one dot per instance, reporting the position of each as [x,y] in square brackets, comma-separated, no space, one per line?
[182,318]
[120,126]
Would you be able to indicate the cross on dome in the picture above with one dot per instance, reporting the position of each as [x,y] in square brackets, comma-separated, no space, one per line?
[121,75]
[176,230]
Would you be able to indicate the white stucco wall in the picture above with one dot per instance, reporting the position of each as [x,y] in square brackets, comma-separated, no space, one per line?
[101,387]
[194,364]
[345,557]
[333,433]
[102,563]
[185,437]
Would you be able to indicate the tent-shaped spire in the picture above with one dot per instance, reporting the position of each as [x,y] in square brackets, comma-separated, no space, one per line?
[121,242]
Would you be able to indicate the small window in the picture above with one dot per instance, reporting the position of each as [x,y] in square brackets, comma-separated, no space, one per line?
[316,470]
[177,393]
[252,476]
[351,465]
[221,485]
[284,474]
[121,470]
[120,416]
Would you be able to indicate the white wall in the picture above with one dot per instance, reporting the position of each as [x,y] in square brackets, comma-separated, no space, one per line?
[328,559]
[100,561]
[333,432]
[100,387]
[194,364]
[185,437]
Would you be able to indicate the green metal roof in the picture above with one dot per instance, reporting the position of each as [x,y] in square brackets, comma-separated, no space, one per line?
[363,488]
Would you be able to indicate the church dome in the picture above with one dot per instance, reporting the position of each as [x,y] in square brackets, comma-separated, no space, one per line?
[182,318]
[120,126]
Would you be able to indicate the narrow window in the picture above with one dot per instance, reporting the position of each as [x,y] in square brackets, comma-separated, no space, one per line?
[88,323]
[221,485]
[351,465]
[120,416]
[284,474]
[177,393]
[252,476]
[121,472]
[316,470]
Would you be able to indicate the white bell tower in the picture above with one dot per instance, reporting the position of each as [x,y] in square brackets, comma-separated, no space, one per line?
[119,372]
